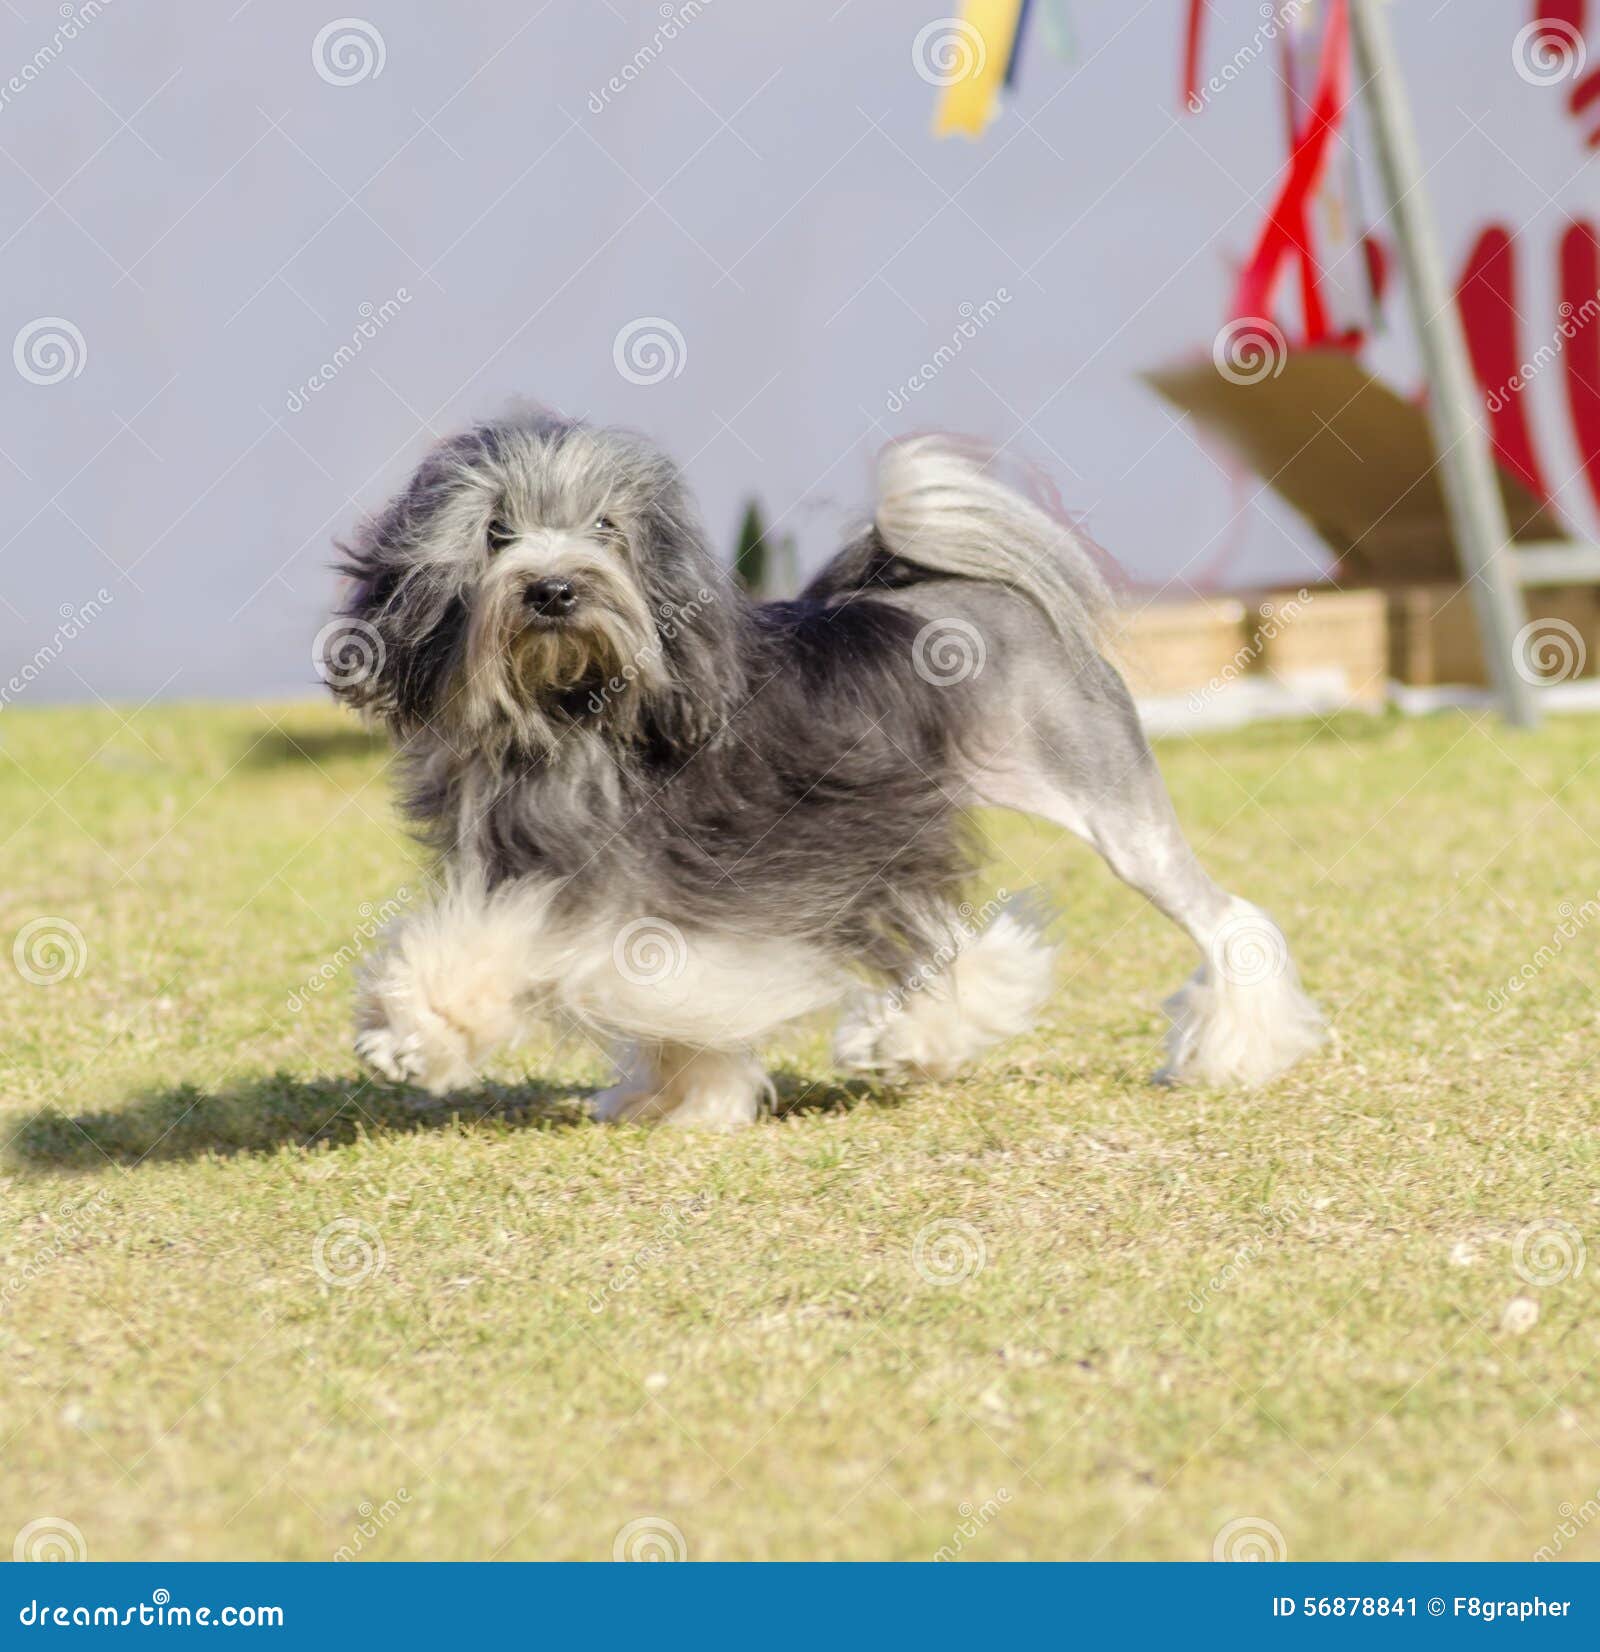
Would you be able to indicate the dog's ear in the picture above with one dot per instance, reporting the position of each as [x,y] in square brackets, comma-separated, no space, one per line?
[392,649]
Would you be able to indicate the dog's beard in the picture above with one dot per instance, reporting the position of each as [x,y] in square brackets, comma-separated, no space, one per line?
[527,676]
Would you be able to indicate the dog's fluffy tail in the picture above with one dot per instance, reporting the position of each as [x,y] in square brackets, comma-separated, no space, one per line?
[943,511]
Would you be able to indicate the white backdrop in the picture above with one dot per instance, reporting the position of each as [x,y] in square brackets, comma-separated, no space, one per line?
[209,208]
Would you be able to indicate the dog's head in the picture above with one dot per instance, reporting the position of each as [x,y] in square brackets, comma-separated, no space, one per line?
[536,575]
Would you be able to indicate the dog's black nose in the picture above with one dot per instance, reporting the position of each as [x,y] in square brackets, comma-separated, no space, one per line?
[551,597]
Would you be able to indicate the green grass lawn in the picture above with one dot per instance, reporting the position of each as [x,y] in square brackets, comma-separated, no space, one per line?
[1169,1310]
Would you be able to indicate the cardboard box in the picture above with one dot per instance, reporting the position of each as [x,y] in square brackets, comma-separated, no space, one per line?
[1319,629]
[1433,633]
[1180,647]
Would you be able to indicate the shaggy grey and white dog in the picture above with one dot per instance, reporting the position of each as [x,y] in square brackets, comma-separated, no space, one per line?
[680,818]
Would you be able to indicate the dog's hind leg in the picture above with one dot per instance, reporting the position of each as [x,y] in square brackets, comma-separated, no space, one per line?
[1084,764]
[692,1088]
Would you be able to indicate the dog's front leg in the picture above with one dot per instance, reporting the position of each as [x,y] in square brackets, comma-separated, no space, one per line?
[449,987]
[679,1085]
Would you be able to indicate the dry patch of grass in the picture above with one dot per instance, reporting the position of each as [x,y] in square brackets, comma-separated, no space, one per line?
[244,1293]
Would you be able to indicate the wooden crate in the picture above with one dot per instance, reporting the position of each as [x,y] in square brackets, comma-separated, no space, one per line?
[1433,630]
[1179,647]
[1320,630]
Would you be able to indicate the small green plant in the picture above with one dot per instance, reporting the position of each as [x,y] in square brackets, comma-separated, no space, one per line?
[762,563]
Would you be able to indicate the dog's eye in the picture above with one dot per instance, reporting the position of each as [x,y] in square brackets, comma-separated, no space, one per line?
[604,524]
[500,535]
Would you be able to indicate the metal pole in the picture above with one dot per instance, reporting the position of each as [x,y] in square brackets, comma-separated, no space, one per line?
[1471,489]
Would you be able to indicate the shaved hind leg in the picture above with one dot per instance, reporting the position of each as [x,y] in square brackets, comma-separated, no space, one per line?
[1242,1017]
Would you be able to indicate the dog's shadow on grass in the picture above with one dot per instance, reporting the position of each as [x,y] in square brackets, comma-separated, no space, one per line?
[795,1094]
[264,1115]
[276,747]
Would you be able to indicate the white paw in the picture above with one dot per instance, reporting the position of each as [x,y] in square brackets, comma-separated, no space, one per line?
[427,1052]
[688,1089]
[881,1037]
[722,1114]
[384,1050]
[1239,1032]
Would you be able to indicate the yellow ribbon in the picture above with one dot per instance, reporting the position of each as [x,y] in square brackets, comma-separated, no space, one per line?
[967,57]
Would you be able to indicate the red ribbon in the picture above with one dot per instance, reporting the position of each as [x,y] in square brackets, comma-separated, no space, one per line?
[1287,232]
[1191,55]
